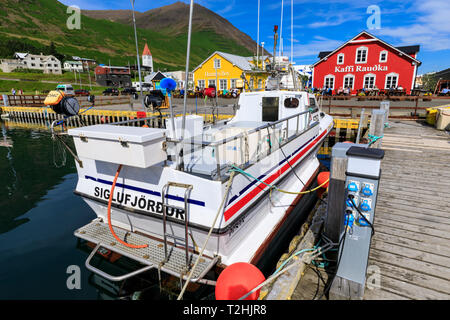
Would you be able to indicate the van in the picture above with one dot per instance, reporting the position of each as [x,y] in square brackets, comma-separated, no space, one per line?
[66,88]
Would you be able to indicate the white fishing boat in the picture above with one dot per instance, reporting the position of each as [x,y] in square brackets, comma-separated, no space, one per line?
[187,196]
[171,192]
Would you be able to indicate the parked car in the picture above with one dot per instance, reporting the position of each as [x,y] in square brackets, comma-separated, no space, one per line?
[128,91]
[66,88]
[82,92]
[111,92]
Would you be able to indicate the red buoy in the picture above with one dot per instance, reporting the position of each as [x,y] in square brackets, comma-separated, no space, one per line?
[237,280]
[322,177]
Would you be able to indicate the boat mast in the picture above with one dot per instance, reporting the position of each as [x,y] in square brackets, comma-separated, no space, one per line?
[274,71]
[188,54]
[257,38]
[291,66]
[281,29]
[292,31]
[137,54]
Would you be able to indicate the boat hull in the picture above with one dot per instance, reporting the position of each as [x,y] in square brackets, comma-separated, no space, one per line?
[250,230]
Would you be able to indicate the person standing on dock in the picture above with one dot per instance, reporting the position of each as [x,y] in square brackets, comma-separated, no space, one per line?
[13,91]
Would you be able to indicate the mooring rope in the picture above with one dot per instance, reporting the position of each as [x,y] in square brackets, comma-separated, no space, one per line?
[230,180]
[272,187]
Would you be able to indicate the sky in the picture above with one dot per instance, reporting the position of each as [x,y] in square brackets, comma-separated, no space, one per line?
[324,25]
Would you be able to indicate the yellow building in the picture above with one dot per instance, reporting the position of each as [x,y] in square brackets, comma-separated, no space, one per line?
[230,68]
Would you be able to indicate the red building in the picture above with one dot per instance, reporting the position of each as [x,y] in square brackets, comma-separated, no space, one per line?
[367,62]
[109,76]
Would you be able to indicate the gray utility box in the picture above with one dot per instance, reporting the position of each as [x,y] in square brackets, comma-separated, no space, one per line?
[361,184]
[130,146]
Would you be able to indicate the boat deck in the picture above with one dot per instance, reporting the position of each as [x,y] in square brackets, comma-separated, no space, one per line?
[411,245]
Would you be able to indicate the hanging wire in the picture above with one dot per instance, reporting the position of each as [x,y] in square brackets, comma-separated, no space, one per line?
[59,154]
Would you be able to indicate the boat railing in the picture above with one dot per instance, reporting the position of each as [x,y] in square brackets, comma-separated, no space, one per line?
[245,148]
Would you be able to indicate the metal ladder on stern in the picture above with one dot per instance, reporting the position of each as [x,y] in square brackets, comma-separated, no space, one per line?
[164,200]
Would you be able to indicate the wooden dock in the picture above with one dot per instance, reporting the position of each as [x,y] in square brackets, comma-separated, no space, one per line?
[410,250]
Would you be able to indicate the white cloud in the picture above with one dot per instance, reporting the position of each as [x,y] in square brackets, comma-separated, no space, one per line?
[430,27]
[228,8]
[333,18]
[314,47]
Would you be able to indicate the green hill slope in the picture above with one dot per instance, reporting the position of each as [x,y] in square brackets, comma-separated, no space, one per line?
[32,25]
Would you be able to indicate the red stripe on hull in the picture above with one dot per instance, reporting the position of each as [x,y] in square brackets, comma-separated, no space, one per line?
[249,196]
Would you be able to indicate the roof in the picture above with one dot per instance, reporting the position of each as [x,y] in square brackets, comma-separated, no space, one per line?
[21,55]
[82,59]
[239,61]
[73,62]
[408,50]
[155,76]
[111,67]
[264,58]
[405,49]
[146,51]
[444,74]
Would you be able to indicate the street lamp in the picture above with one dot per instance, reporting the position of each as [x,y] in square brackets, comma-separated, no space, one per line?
[137,54]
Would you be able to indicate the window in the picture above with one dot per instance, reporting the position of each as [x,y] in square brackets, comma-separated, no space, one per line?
[383,56]
[340,58]
[223,84]
[252,83]
[33,65]
[361,55]
[201,84]
[216,63]
[270,108]
[349,81]
[233,83]
[211,83]
[56,66]
[329,82]
[41,65]
[369,81]
[291,102]
[259,83]
[391,80]
[313,105]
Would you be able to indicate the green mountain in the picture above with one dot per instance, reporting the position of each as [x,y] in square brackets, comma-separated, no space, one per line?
[37,26]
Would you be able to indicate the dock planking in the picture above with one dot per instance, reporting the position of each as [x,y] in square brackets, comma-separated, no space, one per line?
[411,245]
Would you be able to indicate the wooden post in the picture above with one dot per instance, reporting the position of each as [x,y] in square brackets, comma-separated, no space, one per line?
[336,192]
[358,136]
[417,104]
[329,105]
[377,126]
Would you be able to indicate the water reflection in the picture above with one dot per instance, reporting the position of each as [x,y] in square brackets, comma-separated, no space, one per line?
[26,173]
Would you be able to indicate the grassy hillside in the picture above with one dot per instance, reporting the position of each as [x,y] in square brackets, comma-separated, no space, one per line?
[37,23]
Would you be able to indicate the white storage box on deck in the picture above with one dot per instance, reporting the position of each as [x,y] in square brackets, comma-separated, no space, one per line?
[130,146]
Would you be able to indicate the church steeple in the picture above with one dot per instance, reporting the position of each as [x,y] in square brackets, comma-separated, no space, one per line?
[146,51]
[147,59]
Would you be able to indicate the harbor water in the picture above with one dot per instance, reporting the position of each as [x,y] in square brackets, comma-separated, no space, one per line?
[38,214]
